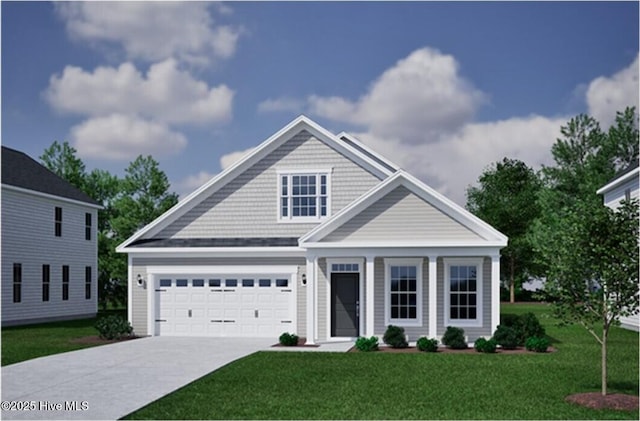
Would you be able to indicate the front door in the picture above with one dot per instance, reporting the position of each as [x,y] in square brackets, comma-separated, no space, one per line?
[345,304]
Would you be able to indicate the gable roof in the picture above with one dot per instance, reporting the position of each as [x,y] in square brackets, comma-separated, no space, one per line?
[628,173]
[301,123]
[489,236]
[23,172]
[352,141]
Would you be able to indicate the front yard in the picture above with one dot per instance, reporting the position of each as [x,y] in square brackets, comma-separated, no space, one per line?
[272,385]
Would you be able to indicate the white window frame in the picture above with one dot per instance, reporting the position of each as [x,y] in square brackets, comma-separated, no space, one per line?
[417,262]
[289,173]
[463,261]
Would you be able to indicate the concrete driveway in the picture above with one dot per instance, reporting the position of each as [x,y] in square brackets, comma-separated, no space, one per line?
[111,381]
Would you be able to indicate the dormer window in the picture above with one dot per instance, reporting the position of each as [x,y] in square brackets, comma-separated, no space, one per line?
[304,195]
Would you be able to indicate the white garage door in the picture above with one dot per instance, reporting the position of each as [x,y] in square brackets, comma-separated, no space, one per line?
[234,306]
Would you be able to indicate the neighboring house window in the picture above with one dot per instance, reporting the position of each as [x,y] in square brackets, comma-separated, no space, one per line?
[463,292]
[403,286]
[304,196]
[58,222]
[627,195]
[17,282]
[46,282]
[87,282]
[87,226]
[65,283]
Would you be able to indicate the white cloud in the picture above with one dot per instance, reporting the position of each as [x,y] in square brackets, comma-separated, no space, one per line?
[231,158]
[192,182]
[608,94]
[165,94]
[419,99]
[152,31]
[123,137]
[281,104]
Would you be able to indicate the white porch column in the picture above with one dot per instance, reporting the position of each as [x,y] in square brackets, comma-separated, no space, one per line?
[369,282]
[495,292]
[311,299]
[433,296]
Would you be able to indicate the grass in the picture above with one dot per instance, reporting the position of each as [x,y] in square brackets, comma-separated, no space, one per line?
[273,385]
[22,343]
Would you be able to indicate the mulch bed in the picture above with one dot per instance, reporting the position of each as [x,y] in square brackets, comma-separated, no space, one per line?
[97,340]
[302,342]
[595,400]
[444,350]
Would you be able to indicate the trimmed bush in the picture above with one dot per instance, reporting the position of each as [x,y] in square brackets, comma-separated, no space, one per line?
[395,337]
[288,339]
[507,337]
[427,345]
[367,344]
[113,327]
[454,338]
[486,346]
[536,344]
[530,327]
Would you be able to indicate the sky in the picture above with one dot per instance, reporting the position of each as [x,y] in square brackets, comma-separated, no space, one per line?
[443,89]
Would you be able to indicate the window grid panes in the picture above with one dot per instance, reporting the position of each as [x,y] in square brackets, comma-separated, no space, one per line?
[58,222]
[214,282]
[17,282]
[182,283]
[232,283]
[264,283]
[87,282]
[165,283]
[463,292]
[282,283]
[303,196]
[345,267]
[65,283]
[247,283]
[404,292]
[87,226]
[197,283]
[46,282]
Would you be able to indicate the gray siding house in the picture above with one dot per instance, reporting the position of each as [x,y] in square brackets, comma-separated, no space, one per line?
[624,186]
[314,233]
[49,245]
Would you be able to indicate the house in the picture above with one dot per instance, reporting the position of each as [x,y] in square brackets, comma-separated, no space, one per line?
[624,186]
[49,245]
[315,234]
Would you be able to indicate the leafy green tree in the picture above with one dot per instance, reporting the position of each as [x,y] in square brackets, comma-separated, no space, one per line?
[506,198]
[593,270]
[61,159]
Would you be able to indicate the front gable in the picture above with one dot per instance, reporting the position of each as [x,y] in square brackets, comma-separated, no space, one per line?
[401,214]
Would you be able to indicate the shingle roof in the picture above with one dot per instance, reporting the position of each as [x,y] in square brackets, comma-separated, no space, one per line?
[625,171]
[20,170]
[218,242]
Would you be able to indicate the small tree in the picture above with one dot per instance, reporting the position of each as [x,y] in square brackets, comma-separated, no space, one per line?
[593,270]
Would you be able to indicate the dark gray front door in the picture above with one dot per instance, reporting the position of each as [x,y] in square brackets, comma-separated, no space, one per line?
[344,304]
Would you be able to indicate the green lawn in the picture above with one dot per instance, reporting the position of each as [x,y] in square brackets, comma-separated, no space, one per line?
[273,385]
[22,343]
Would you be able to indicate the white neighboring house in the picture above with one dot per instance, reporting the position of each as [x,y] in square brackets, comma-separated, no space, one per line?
[49,245]
[314,233]
[624,186]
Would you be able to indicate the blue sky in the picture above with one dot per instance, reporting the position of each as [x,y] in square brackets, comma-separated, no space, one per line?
[443,89]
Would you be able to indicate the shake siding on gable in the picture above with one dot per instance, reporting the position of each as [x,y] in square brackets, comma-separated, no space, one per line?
[28,238]
[248,205]
[404,216]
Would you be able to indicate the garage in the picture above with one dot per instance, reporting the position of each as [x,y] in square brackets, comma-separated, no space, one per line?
[229,305]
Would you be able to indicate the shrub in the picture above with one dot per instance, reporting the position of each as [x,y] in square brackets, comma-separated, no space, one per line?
[395,337]
[537,344]
[288,339]
[427,345]
[367,344]
[454,338]
[510,320]
[530,326]
[486,346]
[113,327]
[506,336]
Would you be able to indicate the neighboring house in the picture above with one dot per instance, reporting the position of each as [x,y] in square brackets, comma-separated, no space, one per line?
[49,245]
[624,186]
[314,234]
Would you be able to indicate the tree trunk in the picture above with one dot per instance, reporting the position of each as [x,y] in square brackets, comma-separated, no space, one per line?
[512,286]
[605,333]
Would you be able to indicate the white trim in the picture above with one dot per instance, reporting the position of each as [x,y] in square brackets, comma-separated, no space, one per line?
[488,235]
[151,305]
[391,243]
[129,288]
[360,262]
[51,196]
[417,262]
[286,133]
[290,219]
[222,270]
[616,182]
[370,151]
[408,251]
[433,296]
[312,263]
[495,292]
[479,263]
[370,293]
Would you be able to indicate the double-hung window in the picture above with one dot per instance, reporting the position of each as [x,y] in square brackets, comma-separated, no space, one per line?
[46,282]
[304,196]
[403,292]
[58,222]
[65,283]
[87,226]
[463,292]
[17,282]
[87,282]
